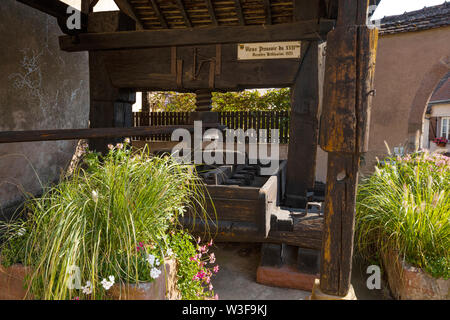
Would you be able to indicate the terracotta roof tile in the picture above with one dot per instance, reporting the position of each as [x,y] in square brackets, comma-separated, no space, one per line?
[426,18]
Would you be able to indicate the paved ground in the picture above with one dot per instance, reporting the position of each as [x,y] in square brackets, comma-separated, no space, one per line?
[237,277]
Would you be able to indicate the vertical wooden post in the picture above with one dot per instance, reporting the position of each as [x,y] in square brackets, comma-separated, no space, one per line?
[301,166]
[350,63]
[305,100]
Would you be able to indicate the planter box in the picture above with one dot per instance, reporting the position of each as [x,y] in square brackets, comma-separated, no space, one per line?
[163,288]
[410,283]
[12,282]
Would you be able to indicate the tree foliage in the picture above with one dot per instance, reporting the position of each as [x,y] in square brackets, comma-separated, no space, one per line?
[247,100]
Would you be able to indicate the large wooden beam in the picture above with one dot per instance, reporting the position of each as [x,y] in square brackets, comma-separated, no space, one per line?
[350,63]
[303,30]
[93,133]
[303,135]
[161,69]
[305,108]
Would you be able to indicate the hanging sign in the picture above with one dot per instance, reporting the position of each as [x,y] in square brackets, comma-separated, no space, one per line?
[269,50]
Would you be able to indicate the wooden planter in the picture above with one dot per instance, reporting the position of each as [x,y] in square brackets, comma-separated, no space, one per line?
[12,282]
[410,283]
[163,288]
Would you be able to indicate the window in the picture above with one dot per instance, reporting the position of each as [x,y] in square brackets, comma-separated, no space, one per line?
[445,127]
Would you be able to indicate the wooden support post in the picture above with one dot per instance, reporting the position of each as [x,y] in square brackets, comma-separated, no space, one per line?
[303,133]
[350,63]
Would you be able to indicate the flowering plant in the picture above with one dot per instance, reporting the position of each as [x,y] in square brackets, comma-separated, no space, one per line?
[110,222]
[440,141]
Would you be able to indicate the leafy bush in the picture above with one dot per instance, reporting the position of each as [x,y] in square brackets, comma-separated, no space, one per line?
[116,220]
[248,100]
[404,207]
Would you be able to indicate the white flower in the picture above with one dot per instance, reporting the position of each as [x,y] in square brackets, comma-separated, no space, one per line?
[108,284]
[21,232]
[154,273]
[169,252]
[87,289]
[127,140]
[95,195]
[110,146]
[151,259]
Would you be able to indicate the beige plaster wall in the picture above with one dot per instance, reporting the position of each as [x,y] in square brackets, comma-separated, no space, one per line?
[409,66]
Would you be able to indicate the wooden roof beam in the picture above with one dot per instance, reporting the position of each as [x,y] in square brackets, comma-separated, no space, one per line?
[239,12]
[302,30]
[212,13]
[268,11]
[186,19]
[158,13]
[92,5]
[128,9]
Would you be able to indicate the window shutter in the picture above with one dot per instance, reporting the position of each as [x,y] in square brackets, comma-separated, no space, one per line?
[432,134]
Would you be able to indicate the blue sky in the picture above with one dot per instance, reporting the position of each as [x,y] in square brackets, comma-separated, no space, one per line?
[395,7]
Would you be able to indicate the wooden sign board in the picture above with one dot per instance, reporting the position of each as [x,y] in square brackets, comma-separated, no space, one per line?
[269,50]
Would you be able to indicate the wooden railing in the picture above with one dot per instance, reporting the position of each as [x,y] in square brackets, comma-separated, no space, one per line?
[257,120]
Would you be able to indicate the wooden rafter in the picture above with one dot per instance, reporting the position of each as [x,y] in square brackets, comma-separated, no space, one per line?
[187,21]
[93,4]
[239,12]
[211,12]
[158,13]
[268,11]
[129,10]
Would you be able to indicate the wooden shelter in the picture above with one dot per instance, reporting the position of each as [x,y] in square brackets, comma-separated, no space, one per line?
[192,46]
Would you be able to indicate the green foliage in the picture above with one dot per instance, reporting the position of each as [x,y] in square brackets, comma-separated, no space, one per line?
[107,219]
[248,100]
[404,207]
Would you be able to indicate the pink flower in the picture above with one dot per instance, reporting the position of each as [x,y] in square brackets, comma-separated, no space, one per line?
[216,297]
[198,240]
[76,298]
[216,269]
[194,258]
[212,258]
[210,287]
[210,243]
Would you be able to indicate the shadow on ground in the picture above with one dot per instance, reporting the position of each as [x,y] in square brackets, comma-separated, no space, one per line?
[237,277]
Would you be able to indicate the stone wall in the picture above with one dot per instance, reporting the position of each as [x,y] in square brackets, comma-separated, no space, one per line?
[41,87]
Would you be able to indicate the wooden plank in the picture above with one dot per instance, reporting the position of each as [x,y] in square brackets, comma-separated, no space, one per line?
[303,30]
[75,134]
